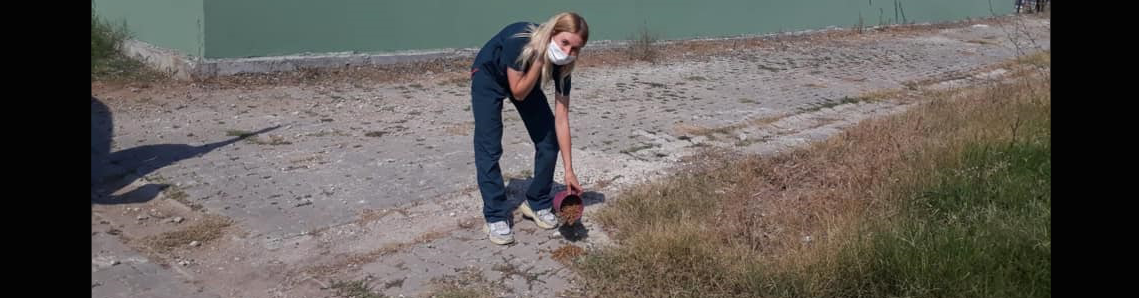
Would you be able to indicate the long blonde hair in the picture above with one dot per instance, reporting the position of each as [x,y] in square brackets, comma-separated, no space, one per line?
[540,36]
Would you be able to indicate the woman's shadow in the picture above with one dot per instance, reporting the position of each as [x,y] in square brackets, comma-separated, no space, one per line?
[112,171]
[516,193]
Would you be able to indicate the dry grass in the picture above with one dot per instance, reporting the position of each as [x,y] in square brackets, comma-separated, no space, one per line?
[355,289]
[179,195]
[108,62]
[779,226]
[431,236]
[273,140]
[458,79]
[769,119]
[643,46]
[466,283]
[831,103]
[883,94]
[685,129]
[1038,60]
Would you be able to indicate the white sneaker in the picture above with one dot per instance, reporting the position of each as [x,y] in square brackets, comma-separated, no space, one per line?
[543,218]
[499,232]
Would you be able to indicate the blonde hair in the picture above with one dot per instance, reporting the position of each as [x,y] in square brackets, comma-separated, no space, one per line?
[540,36]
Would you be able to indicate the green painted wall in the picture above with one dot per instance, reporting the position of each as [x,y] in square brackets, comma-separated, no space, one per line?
[251,28]
[172,24]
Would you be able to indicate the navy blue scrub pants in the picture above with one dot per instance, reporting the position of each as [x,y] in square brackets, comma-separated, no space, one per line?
[486,104]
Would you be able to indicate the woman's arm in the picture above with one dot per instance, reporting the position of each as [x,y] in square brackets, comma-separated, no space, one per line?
[562,129]
[521,84]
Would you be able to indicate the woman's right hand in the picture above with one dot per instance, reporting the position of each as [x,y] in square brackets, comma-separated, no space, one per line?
[572,185]
[521,83]
[538,62]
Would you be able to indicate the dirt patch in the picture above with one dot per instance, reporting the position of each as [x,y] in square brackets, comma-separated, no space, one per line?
[431,236]
[567,253]
[274,140]
[509,270]
[370,215]
[687,130]
[177,194]
[461,129]
[208,228]
[353,260]
[605,183]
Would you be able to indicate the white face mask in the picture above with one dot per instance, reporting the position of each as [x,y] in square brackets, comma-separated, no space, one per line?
[557,56]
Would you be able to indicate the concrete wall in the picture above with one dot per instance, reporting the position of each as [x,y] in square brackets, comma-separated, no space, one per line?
[239,36]
[251,28]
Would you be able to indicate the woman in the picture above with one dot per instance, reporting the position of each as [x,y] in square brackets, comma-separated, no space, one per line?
[514,64]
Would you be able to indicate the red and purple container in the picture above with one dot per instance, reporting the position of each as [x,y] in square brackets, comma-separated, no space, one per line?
[566,196]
